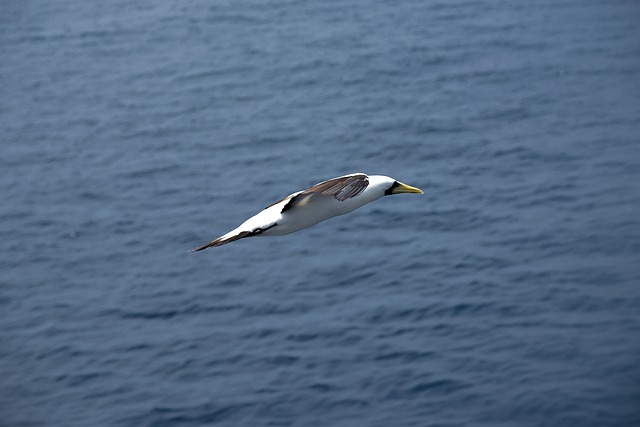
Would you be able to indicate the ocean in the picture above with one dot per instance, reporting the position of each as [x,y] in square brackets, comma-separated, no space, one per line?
[134,131]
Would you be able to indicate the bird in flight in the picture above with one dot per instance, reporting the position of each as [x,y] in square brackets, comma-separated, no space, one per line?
[336,196]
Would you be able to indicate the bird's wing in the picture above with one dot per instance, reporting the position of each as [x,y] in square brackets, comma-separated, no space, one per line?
[341,189]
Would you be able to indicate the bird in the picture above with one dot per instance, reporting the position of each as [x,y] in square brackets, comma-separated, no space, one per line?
[327,199]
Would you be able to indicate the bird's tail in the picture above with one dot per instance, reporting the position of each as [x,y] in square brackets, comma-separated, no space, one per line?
[223,240]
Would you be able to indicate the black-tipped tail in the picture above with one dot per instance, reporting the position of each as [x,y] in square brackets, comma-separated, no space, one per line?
[223,240]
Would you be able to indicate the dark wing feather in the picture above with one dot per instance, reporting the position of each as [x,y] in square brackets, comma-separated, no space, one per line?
[281,200]
[241,235]
[220,241]
[341,188]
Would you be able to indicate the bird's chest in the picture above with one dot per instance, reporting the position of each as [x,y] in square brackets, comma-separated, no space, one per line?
[312,211]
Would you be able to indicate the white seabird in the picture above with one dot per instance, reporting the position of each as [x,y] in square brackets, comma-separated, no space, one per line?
[324,200]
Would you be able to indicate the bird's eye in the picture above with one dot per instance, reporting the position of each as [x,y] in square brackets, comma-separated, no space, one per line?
[389,191]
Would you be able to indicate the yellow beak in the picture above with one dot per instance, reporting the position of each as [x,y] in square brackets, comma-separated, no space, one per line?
[404,188]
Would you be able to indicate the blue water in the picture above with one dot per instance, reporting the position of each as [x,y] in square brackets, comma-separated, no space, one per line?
[133,131]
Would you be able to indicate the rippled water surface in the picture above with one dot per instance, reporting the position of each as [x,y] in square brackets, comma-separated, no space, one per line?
[132,131]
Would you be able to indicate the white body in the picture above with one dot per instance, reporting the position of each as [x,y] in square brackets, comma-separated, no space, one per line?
[311,211]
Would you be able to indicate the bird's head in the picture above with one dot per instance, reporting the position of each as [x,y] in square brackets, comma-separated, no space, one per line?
[392,186]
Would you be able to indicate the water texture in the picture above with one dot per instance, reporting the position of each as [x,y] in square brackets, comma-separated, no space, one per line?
[133,131]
